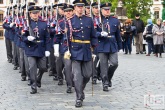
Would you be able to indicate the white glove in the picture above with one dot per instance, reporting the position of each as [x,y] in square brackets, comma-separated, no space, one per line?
[51,24]
[104,34]
[11,24]
[47,53]
[56,50]
[93,57]
[30,38]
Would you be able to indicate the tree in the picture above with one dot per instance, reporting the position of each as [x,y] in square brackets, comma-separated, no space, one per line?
[134,6]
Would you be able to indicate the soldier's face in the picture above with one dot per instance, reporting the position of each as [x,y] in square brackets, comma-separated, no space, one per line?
[68,13]
[87,10]
[61,11]
[95,10]
[79,9]
[34,15]
[106,12]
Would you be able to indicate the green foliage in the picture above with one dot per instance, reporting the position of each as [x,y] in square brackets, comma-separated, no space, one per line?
[134,6]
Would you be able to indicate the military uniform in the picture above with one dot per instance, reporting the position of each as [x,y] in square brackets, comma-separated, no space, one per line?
[7,39]
[96,66]
[108,46]
[36,48]
[64,64]
[83,38]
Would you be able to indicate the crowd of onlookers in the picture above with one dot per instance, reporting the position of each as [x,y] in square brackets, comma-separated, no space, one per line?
[136,33]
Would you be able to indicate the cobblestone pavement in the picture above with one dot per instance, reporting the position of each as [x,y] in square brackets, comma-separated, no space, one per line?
[136,76]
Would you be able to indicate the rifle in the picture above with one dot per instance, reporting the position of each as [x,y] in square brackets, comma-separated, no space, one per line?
[67,54]
[100,19]
[13,12]
[51,10]
[91,9]
[31,32]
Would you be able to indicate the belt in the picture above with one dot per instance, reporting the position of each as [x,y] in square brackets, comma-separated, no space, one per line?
[81,41]
[109,36]
[38,41]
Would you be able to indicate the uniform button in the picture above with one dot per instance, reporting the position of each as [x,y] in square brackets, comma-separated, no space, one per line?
[61,43]
[99,41]
[107,19]
[81,27]
[80,18]
[29,46]
[80,23]
[82,31]
[82,36]
[72,46]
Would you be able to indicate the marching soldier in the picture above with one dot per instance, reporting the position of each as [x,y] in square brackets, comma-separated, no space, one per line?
[60,17]
[82,39]
[36,47]
[109,43]
[62,42]
[52,31]
[87,9]
[6,26]
[24,66]
[96,69]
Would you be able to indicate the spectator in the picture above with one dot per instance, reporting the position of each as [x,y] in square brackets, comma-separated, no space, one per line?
[127,36]
[138,23]
[149,36]
[158,34]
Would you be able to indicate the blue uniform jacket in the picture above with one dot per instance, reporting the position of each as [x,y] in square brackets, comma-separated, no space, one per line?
[62,38]
[41,44]
[9,31]
[113,43]
[82,29]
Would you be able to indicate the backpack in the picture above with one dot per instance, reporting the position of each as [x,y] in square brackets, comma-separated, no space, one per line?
[149,35]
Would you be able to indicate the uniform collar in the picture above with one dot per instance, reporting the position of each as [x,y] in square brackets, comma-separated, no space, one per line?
[35,20]
[79,16]
[106,17]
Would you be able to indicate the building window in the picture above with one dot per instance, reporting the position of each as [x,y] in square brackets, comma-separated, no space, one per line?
[1,1]
[156,13]
[1,17]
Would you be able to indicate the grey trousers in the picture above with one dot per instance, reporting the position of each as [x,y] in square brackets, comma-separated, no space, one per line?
[82,71]
[22,63]
[8,49]
[15,52]
[35,62]
[96,70]
[108,65]
[66,65]
[139,42]
[27,66]
[52,62]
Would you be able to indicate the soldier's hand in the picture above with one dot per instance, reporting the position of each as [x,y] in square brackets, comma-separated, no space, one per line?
[11,24]
[47,53]
[104,34]
[30,38]
[56,50]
